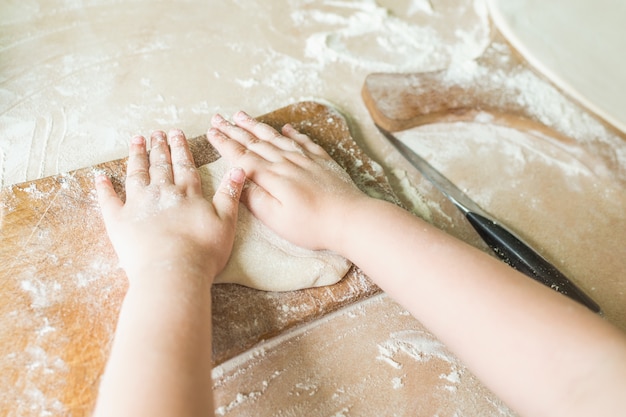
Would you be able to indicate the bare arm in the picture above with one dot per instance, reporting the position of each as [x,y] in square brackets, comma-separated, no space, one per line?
[540,352]
[171,243]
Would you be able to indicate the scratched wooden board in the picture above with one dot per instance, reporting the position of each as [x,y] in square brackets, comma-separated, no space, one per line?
[496,86]
[61,287]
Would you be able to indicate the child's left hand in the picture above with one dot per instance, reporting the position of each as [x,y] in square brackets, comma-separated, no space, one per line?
[166,222]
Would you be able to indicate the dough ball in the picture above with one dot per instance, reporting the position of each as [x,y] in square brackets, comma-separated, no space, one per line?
[263,260]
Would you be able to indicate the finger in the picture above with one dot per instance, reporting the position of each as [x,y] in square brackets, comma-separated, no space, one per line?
[257,168]
[160,159]
[137,174]
[236,153]
[304,141]
[264,131]
[259,201]
[183,167]
[109,201]
[247,139]
[226,198]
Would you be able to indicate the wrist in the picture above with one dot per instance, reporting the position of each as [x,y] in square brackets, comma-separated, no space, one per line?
[346,222]
[172,273]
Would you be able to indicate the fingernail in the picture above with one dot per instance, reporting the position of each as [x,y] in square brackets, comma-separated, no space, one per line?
[242,115]
[158,135]
[100,178]
[137,140]
[176,136]
[237,175]
[176,132]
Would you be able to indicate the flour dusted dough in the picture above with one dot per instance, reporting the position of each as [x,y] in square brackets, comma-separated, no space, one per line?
[263,260]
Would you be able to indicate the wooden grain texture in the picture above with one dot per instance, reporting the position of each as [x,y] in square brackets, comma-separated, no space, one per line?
[502,88]
[61,287]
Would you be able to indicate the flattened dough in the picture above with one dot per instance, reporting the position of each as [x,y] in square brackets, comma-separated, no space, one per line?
[577,44]
[263,260]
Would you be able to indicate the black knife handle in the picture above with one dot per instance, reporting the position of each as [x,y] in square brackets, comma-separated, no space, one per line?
[523,258]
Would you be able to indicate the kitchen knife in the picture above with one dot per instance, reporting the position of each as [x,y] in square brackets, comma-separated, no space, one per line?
[505,244]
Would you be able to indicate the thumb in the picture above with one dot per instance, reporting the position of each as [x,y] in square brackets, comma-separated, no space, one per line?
[226,198]
[260,202]
[108,199]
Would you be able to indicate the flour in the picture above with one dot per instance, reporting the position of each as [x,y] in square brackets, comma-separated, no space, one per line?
[82,80]
[331,47]
[551,190]
[519,85]
[35,192]
[39,405]
[40,361]
[416,345]
[416,200]
[397,383]
[45,328]
[2,169]
[324,368]
[40,370]
[43,294]
[370,36]
[239,399]
[507,160]
[342,413]
[420,6]
[49,311]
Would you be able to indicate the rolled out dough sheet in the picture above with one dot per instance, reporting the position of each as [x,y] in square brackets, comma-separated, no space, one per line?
[578,44]
[263,260]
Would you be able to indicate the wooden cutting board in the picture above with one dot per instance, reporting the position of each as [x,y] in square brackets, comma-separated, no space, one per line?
[500,88]
[61,287]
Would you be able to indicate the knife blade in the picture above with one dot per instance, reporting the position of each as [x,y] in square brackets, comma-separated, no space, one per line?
[503,242]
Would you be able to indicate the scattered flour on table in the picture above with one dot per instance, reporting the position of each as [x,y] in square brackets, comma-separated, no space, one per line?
[502,158]
[397,382]
[331,47]
[591,150]
[339,44]
[36,357]
[371,36]
[520,85]
[417,345]
[323,368]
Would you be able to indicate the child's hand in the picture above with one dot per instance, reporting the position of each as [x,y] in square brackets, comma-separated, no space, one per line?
[296,188]
[166,222]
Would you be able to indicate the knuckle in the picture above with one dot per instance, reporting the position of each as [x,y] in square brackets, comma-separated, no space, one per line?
[137,175]
[158,144]
[137,182]
[137,172]
[276,135]
[262,129]
[161,165]
[230,190]
[242,152]
[185,165]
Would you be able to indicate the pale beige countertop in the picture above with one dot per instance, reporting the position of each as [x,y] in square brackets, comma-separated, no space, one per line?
[78,79]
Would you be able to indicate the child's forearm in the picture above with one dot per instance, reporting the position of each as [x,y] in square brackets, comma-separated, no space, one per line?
[540,352]
[530,345]
[171,241]
[160,363]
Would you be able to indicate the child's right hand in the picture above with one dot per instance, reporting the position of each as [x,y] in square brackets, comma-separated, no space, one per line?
[294,186]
